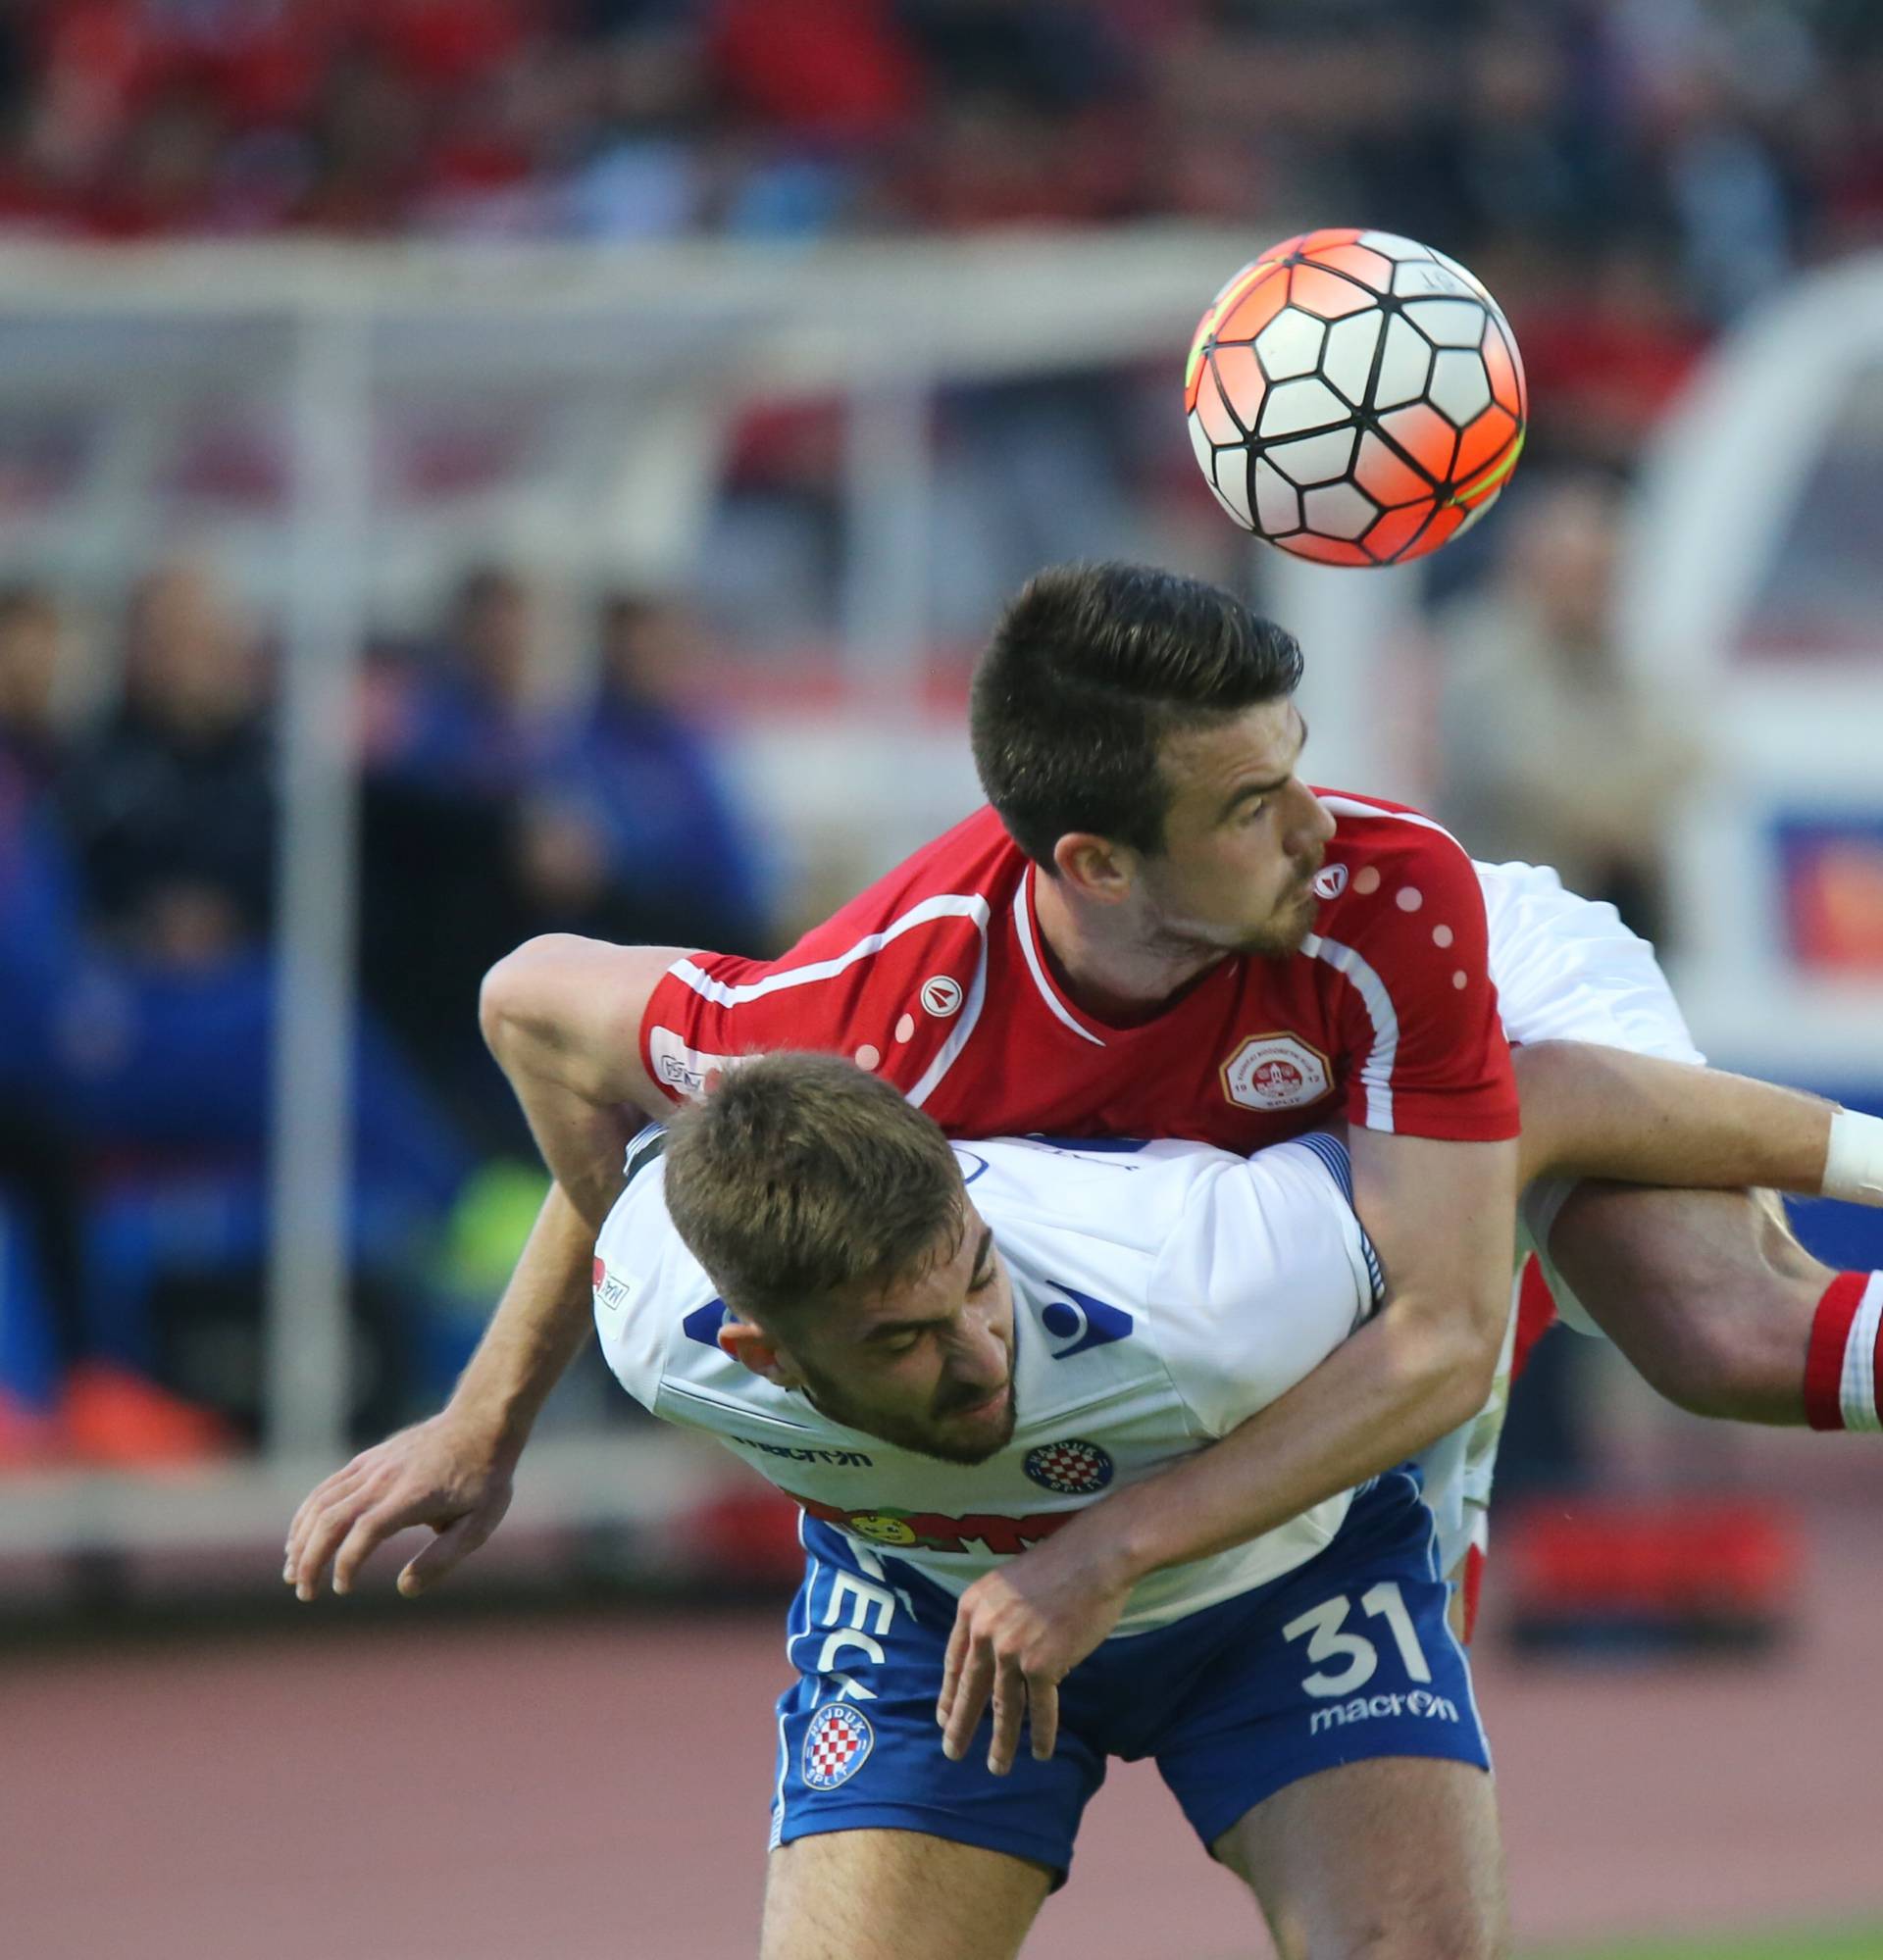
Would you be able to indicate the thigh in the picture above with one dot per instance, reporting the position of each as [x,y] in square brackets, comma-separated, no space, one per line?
[1395,1859]
[1708,1294]
[897,1895]
[1347,1660]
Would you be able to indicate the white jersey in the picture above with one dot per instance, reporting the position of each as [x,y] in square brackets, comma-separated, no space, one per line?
[1163,1292]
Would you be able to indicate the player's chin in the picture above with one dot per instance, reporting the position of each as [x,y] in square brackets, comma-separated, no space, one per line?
[975,1434]
[1283,932]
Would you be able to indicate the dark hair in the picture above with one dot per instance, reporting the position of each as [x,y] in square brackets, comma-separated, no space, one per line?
[1087,671]
[799,1174]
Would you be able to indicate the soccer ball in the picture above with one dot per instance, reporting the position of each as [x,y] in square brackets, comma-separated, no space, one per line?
[1356,398]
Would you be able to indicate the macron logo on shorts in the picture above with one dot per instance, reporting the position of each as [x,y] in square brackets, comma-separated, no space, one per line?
[1421,1702]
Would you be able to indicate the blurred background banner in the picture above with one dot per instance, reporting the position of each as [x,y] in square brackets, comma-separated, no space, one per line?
[471,469]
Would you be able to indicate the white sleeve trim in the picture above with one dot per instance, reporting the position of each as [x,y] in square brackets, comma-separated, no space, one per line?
[965,1026]
[1352,806]
[944,905]
[1376,1073]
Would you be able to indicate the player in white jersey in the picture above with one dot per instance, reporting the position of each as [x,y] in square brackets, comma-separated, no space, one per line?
[1191,1287]
[944,1353]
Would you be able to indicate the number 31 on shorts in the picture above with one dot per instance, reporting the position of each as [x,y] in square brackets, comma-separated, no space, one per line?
[1322,1628]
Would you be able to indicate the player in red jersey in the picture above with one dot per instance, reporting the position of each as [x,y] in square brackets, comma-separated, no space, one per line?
[1166,932]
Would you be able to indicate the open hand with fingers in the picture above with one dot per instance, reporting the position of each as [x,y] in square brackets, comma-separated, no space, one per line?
[446,1472]
[1018,1632]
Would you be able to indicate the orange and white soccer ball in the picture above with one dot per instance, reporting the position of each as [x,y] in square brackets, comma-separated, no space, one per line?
[1354,397]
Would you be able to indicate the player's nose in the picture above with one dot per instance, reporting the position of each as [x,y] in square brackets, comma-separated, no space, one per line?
[981,1357]
[1314,826]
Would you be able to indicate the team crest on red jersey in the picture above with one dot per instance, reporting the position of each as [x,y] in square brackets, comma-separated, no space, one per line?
[1275,1071]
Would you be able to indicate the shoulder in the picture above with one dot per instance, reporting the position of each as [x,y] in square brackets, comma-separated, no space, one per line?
[1266,1272]
[897,977]
[1097,1214]
[1393,874]
[1370,831]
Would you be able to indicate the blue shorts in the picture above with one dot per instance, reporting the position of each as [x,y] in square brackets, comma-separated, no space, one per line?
[1344,1659]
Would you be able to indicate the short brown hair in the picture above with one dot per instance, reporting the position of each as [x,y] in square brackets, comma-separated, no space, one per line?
[1087,671]
[799,1174]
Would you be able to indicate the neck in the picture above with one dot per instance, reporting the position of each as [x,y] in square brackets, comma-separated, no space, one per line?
[1108,962]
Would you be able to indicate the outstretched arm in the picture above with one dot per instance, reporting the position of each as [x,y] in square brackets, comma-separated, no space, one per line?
[562,1017]
[1596,1112]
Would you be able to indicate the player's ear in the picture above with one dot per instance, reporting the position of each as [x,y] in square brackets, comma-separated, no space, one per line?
[752,1347]
[1093,867]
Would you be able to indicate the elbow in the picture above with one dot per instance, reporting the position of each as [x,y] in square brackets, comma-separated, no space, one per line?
[508,1000]
[1453,1358]
[1472,1376]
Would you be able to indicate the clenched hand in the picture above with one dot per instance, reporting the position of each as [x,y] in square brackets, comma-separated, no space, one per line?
[444,1473]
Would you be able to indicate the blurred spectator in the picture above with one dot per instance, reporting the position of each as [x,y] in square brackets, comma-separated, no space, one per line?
[628,824]
[139,1042]
[365,150]
[461,723]
[42,1260]
[171,806]
[645,174]
[452,743]
[31,638]
[1553,751]
[489,819]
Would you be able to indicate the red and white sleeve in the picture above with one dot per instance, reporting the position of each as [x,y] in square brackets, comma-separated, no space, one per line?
[901,998]
[1418,1009]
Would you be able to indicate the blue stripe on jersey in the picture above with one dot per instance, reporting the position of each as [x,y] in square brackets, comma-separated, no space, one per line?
[643,1147]
[1333,1153]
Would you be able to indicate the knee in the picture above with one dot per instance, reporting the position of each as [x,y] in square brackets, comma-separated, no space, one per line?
[1469,1931]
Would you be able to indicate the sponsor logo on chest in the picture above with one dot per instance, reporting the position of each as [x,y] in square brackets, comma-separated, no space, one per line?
[1277,1071]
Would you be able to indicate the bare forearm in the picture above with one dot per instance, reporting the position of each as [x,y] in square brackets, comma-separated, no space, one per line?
[1379,1398]
[561,1018]
[544,1316]
[1595,1112]
[538,1329]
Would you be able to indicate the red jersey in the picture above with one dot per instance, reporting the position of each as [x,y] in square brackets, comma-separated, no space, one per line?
[937,978]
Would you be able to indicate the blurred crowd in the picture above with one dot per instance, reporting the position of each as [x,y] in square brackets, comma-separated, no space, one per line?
[1626,175]
[137,973]
[1733,133]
